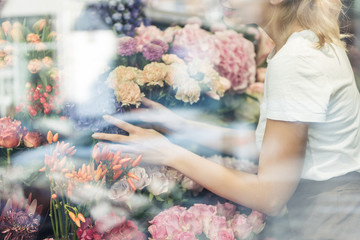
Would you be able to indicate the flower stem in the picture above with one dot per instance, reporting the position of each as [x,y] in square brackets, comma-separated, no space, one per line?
[66,215]
[8,151]
[56,221]
[51,216]
[60,219]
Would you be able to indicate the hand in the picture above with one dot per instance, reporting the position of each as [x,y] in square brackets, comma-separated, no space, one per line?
[154,147]
[159,114]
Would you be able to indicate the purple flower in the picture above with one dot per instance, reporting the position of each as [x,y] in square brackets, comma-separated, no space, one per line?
[162,44]
[179,51]
[127,46]
[152,52]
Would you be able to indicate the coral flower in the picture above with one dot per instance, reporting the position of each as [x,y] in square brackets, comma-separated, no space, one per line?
[34,66]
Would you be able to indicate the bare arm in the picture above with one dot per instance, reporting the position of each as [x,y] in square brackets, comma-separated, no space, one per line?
[181,126]
[280,166]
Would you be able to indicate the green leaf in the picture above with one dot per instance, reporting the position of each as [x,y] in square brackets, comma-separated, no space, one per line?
[151,197]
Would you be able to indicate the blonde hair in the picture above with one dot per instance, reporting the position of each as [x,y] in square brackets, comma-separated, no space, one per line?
[320,16]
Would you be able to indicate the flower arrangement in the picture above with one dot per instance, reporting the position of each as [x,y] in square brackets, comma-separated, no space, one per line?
[41,87]
[203,221]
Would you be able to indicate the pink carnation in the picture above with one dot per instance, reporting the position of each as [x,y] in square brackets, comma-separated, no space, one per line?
[237,59]
[162,44]
[127,46]
[152,52]
[197,42]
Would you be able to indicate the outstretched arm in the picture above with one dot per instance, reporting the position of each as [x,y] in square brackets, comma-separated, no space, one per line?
[280,164]
[182,126]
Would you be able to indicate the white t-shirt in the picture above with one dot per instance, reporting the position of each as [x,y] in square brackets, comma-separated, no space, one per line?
[316,86]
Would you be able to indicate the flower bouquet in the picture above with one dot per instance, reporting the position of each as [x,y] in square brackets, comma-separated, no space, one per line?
[31,43]
[201,221]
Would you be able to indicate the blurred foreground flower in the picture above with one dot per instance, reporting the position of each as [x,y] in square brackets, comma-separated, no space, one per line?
[20,219]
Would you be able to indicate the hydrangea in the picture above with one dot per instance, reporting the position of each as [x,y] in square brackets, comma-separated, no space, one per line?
[237,59]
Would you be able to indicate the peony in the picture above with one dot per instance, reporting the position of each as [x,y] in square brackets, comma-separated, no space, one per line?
[237,59]
[144,179]
[188,90]
[256,220]
[197,42]
[241,227]
[154,74]
[33,139]
[10,133]
[126,46]
[152,52]
[35,66]
[123,74]
[121,191]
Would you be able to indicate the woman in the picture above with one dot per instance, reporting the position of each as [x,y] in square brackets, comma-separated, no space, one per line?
[308,134]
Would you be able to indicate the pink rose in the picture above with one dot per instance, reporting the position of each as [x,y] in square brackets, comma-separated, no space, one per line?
[32,139]
[225,234]
[226,210]
[185,236]
[158,232]
[170,219]
[217,223]
[203,213]
[256,220]
[10,133]
[241,227]
[188,222]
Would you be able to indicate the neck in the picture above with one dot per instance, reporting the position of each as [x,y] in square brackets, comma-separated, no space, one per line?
[280,36]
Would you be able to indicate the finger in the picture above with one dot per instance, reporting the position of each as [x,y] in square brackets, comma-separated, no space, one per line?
[151,104]
[111,137]
[120,124]
[126,149]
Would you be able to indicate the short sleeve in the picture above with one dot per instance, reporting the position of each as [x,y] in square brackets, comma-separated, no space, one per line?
[297,90]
